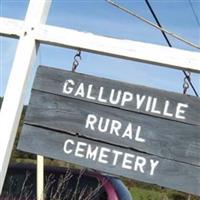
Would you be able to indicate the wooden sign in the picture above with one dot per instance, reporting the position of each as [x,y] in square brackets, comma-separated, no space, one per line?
[127,130]
[140,99]
[111,159]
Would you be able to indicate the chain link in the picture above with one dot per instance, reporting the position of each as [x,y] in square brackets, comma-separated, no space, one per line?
[77,59]
[186,82]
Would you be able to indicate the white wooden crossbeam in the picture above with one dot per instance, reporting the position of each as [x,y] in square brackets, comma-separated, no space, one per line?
[11,27]
[126,49]
[18,80]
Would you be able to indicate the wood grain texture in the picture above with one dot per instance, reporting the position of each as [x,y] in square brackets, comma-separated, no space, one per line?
[165,138]
[54,117]
[52,81]
[169,173]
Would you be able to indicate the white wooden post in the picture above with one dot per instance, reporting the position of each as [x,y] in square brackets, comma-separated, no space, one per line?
[18,80]
[40,177]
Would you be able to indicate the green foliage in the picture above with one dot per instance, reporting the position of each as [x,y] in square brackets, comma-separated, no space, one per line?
[144,194]
[148,193]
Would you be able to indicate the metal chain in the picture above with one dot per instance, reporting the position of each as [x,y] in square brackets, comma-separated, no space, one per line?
[77,59]
[186,82]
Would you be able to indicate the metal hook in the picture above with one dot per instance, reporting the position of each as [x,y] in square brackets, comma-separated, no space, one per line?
[77,59]
[186,82]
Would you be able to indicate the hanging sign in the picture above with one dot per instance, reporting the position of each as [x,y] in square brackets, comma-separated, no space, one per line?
[124,129]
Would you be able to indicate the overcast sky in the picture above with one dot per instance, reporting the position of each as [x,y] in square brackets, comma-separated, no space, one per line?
[99,17]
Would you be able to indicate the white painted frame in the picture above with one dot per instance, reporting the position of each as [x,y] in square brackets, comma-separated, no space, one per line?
[126,49]
[18,80]
[33,31]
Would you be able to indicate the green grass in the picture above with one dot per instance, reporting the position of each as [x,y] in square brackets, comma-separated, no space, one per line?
[140,193]
[144,194]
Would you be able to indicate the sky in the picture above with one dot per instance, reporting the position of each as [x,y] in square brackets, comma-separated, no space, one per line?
[99,17]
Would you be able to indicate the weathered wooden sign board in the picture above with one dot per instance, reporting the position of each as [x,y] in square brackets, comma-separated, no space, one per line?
[128,130]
